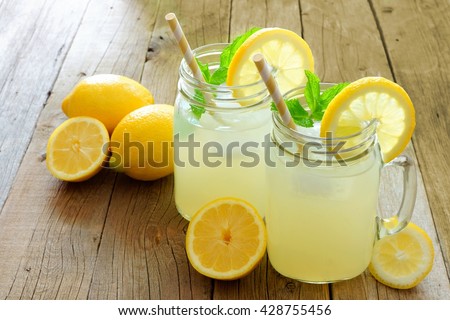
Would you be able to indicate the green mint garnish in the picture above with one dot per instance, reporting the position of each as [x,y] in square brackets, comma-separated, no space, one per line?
[230,50]
[198,110]
[204,68]
[317,102]
[220,75]
[312,91]
[299,115]
[329,94]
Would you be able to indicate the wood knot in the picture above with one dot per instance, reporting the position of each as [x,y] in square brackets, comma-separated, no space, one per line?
[290,286]
[42,157]
[152,51]
[157,238]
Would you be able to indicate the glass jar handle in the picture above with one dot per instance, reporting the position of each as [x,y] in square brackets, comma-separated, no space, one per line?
[396,223]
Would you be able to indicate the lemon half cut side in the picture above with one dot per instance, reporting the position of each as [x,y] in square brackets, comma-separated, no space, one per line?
[226,239]
[404,259]
[77,149]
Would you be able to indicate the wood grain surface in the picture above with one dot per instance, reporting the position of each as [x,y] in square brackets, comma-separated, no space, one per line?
[116,238]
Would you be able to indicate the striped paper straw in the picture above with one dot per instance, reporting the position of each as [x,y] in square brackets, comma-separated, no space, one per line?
[171,18]
[266,75]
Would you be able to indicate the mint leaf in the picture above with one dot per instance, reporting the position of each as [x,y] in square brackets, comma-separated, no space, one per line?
[296,108]
[230,50]
[312,90]
[299,115]
[196,109]
[329,94]
[304,122]
[317,115]
[219,76]
[204,68]
[273,107]
[316,101]
[325,99]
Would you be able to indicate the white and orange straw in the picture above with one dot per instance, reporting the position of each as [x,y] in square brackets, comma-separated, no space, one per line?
[266,75]
[185,48]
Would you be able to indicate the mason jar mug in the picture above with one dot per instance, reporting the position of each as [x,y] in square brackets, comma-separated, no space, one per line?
[219,131]
[322,218]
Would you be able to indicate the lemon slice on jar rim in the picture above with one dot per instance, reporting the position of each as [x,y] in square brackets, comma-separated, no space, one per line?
[373,99]
[283,49]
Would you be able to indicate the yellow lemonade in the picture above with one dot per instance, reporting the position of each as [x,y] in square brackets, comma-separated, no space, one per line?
[219,132]
[323,184]
[220,155]
[321,221]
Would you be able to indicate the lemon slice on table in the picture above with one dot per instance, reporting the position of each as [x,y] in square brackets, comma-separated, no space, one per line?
[404,259]
[226,239]
[77,148]
[372,98]
[283,49]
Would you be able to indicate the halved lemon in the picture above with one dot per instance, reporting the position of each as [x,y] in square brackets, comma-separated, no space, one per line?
[77,148]
[404,259]
[373,98]
[283,49]
[226,239]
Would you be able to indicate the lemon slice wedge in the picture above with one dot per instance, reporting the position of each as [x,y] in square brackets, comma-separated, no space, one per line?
[283,49]
[77,149]
[226,239]
[373,98]
[404,259]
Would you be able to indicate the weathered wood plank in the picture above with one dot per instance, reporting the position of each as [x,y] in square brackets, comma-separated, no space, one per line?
[60,224]
[272,13]
[347,48]
[417,36]
[34,40]
[155,225]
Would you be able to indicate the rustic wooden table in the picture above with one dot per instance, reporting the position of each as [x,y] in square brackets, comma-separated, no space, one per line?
[116,238]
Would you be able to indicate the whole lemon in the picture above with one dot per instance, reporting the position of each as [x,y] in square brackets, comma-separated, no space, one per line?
[142,143]
[106,97]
